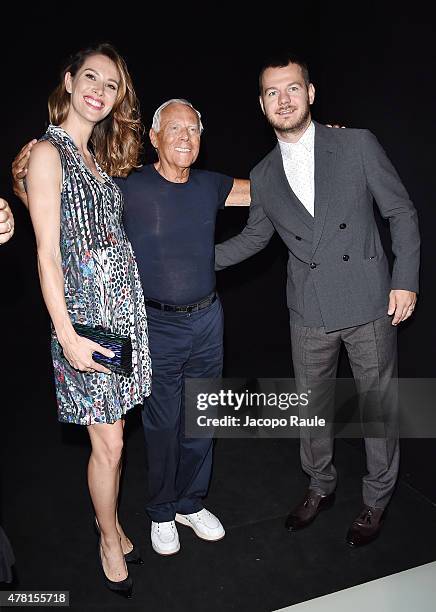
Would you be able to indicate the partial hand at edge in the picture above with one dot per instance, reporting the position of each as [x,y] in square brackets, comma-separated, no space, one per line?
[6,222]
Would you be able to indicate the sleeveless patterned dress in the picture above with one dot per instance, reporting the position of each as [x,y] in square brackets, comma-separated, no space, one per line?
[102,287]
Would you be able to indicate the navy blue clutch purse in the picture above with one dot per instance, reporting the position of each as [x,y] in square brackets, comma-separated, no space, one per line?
[118,344]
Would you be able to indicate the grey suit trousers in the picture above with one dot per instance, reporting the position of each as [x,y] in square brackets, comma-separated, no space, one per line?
[372,352]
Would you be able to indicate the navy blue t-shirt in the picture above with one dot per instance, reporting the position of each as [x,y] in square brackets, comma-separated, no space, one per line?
[172,230]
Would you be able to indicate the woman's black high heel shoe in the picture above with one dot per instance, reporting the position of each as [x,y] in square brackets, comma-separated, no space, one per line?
[131,557]
[134,557]
[121,587]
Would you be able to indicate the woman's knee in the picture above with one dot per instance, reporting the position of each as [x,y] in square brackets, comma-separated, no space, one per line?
[108,448]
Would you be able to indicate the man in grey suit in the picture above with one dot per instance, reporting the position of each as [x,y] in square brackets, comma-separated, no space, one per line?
[316,189]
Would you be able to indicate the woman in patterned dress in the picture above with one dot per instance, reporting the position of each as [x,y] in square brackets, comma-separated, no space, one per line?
[87,270]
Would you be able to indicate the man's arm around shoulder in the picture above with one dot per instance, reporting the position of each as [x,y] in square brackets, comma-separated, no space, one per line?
[253,238]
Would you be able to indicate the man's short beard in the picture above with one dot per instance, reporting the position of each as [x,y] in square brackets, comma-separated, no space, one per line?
[296,127]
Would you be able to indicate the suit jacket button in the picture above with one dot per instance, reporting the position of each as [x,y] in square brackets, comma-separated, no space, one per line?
[345,257]
[342,226]
[312,265]
[297,237]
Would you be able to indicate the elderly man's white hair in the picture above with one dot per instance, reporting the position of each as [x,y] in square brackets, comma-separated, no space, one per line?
[156,117]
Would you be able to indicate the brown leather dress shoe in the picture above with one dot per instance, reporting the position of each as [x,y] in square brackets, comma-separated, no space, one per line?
[366,527]
[306,512]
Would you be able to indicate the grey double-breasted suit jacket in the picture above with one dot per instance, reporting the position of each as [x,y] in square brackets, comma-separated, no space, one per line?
[338,273]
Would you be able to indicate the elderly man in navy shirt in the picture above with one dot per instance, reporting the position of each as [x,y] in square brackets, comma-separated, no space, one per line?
[170,212]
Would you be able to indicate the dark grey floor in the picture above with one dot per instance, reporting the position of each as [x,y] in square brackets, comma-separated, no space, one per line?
[258,566]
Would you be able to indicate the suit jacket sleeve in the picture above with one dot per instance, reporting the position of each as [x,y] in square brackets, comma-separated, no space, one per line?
[394,204]
[253,238]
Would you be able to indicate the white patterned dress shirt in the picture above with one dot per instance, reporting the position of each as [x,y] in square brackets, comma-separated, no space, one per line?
[299,165]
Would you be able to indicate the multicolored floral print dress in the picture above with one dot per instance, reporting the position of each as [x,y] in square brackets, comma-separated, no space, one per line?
[102,287]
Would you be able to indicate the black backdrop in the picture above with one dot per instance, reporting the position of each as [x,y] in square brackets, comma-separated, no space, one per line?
[370,69]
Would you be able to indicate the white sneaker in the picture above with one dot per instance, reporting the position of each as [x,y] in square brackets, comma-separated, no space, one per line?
[205,524]
[164,538]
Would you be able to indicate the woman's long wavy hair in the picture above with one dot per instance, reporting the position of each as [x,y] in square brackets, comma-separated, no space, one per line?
[117,140]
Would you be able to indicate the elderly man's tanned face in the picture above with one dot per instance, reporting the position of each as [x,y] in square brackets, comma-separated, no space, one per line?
[178,139]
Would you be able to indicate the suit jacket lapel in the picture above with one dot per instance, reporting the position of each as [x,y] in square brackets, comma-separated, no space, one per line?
[325,157]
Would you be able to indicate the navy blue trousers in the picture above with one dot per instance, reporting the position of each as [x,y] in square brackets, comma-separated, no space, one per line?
[182,346]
